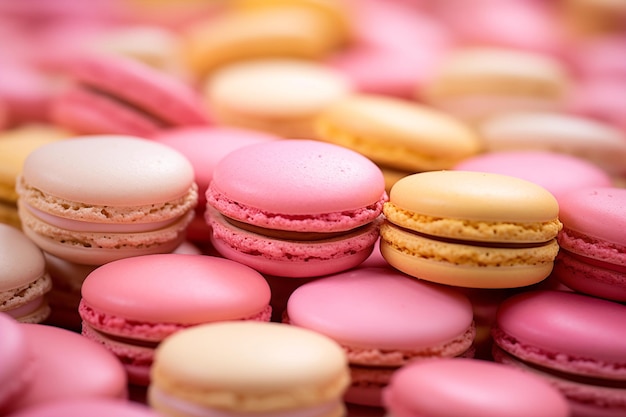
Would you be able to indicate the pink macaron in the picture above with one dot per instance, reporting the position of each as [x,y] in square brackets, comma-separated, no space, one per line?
[574,341]
[132,304]
[472,388]
[383,319]
[295,208]
[17,365]
[592,256]
[118,95]
[95,407]
[68,366]
[558,173]
[204,146]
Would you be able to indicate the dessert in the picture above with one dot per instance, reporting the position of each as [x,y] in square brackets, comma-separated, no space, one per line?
[295,208]
[131,305]
[248,369]
[94,199]
[471,229]
[17,366]
[89,406]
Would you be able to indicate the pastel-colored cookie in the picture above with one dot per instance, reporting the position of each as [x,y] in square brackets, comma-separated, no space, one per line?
[249,369]
[17,368]
[88,407]
[94,199]
[118,95]
[283,97]
[470,387]
[592,258]
[557,172]
[24,280]
[584,137]
[574,341]
[295,208]
[204,147]
[397,134]
[131,305]
[480,82]
[273,32]
[68,366]
[15,145]
[471,229]
[383,320]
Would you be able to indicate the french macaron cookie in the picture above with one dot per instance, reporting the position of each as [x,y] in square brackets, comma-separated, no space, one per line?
[471,229]
[278,96]
[399,135]
[94,199]
[470,387]
[117,95]
[68,366]
[17,367]
[584,137]
[249,369]
[295,208]
[15,145]
[475,83]
[131,305]
[24,280]
[557,172]
[592,258]
[88,407]
[204,146]
[574,341]
[384,320]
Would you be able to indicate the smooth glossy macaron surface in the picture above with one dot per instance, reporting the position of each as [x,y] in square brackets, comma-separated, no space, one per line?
[16,368]
[21,261]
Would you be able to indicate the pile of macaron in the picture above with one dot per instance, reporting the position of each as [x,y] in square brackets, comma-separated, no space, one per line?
[313,208]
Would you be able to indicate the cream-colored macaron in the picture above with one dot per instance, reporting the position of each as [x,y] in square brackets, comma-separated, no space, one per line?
[475,83]
[279,96]
[248,368]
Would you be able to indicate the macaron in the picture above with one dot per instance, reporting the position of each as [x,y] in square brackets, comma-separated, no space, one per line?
[94,199]
[273,32]
[398,135]
[278,96]
[557,172]
[384,320]
[68,366]
[471,229]
[573,341]
[595,141]
[204,146]
[89,406]
[295,208]
[592,258]
[117,95]
[470,387]
[130,305]
[15,145]
[24,280]
[249,369]
[17,368]
[474,83]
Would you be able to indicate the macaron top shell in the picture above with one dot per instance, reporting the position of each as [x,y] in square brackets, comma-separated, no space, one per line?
[472,388]
[112,170]
[176,288]
[386,310]
[21,261]
[474,196]
[599,212]
[298,177]
[251,358]
[572,332]
[81,407]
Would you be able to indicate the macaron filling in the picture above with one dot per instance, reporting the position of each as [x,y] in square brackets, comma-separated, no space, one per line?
[26,309]
[178,405]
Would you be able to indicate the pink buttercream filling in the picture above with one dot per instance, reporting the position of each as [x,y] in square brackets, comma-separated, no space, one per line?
[195,410]
[26,309]
[81,226]
[139,330]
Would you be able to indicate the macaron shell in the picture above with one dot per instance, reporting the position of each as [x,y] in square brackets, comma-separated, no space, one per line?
[565,331]
[17,368]
[21,261]
[81,407]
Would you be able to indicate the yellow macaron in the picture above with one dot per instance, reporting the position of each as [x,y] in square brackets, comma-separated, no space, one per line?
[471,229]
